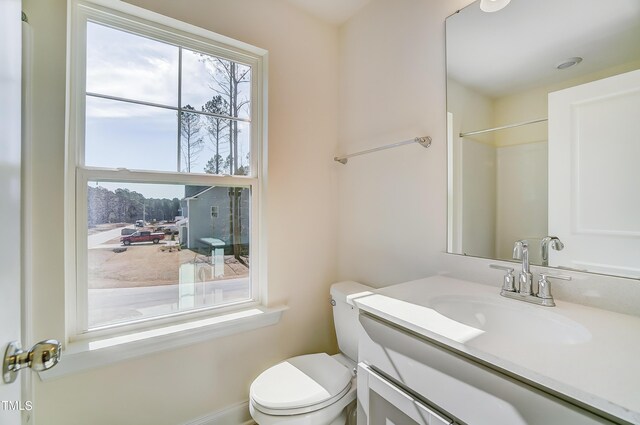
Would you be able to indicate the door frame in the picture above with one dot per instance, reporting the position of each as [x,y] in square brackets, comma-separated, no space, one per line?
[26,230]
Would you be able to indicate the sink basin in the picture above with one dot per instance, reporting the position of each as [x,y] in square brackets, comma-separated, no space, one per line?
[523,324]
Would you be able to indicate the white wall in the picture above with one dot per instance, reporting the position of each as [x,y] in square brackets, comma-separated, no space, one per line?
[479,193]
[473,171]
[175,386]
[522,198]
[393,217]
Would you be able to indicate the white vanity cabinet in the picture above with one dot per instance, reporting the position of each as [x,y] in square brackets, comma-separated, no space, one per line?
[406,379]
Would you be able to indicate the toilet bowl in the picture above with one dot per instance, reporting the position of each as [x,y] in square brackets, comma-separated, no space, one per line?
[314,389]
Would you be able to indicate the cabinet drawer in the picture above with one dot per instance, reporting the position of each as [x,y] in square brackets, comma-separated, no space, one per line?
[382,402]
[464,390]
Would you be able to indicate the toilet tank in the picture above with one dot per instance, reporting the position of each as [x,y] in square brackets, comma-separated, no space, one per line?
[345,315]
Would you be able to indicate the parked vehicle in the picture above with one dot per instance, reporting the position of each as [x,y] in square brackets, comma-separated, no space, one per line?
[139,223]
[171,230]
[141,236]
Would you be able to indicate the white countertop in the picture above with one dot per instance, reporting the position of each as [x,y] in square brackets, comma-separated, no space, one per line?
[599,367]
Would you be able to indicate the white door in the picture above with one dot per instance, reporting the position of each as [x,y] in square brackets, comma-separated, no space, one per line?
[594,175]
[10,146]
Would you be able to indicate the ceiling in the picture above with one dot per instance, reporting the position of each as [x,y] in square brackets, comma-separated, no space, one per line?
[520,46]
[333,11]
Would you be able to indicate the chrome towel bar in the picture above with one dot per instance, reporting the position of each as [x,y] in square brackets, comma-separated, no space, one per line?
[422,141]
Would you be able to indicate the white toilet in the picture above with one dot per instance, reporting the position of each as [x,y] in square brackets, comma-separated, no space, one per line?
[314,389]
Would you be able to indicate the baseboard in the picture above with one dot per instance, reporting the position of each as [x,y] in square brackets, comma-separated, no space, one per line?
[236,414]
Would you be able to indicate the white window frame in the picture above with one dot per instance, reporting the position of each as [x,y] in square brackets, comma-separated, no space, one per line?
[139,21]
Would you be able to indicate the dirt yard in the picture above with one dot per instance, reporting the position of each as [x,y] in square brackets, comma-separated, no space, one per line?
[150,265]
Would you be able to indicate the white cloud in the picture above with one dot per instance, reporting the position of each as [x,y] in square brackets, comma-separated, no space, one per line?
[130,66]
[133,67]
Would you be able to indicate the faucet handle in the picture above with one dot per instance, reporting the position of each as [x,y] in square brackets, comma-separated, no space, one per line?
[546,276]
[544,287]
[499,267]
[508,281]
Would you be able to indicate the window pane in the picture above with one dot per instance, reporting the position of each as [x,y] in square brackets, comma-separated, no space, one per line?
[130,66]
[216,85]
[214,145]
[157,249]
[125,135]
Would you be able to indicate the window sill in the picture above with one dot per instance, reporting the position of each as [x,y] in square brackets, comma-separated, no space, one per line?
[85,355]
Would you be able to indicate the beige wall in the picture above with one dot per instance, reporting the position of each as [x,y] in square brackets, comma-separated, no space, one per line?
[393,204]
[471,111]
[178,385]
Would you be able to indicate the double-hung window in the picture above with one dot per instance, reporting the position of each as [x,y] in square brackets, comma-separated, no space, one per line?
[164,171]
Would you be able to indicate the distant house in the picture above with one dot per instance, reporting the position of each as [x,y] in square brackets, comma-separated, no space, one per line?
[207,216]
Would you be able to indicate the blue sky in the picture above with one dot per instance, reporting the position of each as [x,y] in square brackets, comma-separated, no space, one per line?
[122,134]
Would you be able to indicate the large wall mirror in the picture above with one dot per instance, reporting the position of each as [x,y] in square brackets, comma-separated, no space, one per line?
[543,102]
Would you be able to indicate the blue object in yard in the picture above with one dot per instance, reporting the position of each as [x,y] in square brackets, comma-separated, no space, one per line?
[217,254]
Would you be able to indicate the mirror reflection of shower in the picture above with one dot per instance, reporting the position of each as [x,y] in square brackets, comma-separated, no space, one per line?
[506,93]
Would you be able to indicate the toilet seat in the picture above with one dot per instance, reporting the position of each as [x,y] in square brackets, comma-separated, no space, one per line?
[300,385]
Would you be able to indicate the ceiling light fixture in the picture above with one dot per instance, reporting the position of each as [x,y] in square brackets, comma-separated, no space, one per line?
[493,5]
[568,63]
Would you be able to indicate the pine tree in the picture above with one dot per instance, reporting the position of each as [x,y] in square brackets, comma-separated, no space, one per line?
[191,143]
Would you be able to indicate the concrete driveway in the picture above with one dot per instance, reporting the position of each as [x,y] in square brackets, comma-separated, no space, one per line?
[93,241]
[117,304]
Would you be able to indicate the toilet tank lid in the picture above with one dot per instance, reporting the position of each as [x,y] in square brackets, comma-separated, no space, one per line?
[348,290]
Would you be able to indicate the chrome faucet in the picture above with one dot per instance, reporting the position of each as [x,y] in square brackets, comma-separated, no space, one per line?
[524,293]
[525,280]
[552,241]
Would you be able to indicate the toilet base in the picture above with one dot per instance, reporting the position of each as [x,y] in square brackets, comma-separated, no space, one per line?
[337,414]
[347,416]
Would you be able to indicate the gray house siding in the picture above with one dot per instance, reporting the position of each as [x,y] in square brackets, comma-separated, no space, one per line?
[209,214]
